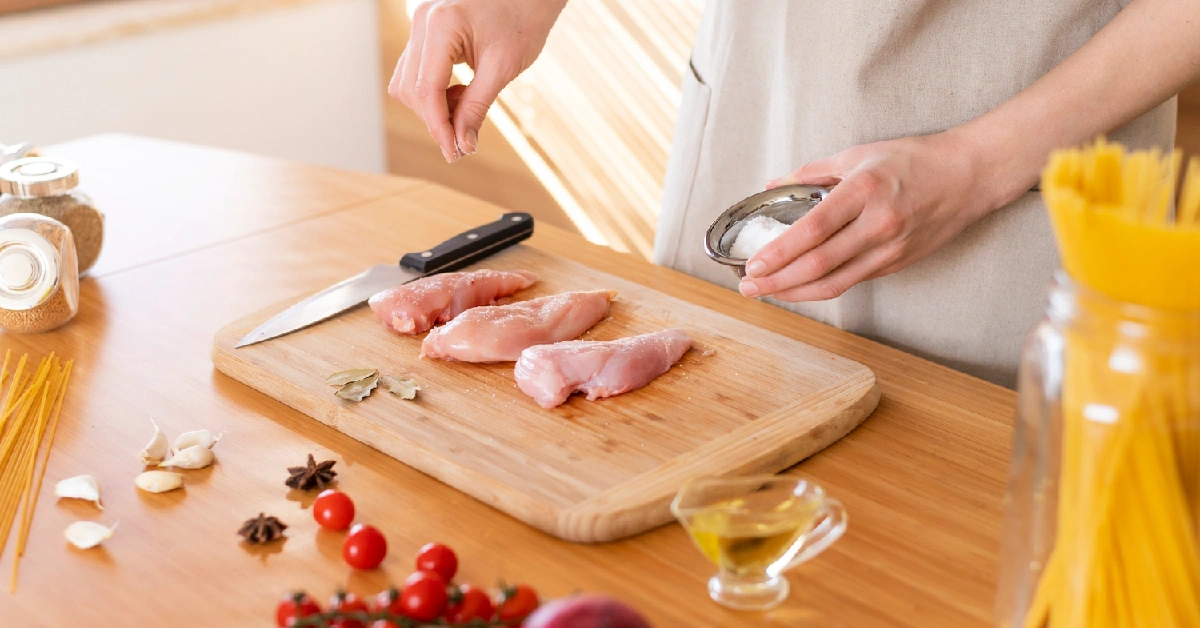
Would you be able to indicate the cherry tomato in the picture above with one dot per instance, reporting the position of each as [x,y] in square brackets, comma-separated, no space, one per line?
[383,623]
[333,510]
[439,559]
[294,606]
[347,603]
[467,603]
[516,603]
[388,600]
[424,596]
[365,547]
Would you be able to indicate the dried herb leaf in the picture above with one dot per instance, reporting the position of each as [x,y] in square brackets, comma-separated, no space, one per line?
[357,391]
[347,377]
[402,388]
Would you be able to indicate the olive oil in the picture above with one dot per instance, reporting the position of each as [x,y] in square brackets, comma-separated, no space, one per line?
[747,541]
[755,527]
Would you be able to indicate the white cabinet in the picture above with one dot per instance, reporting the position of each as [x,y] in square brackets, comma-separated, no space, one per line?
[299,81]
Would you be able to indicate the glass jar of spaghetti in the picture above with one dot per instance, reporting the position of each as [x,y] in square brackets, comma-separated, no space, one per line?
[1103,506]
[39,277]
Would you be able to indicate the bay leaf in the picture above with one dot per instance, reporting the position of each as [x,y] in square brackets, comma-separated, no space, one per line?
[357,391]
[402,388]
[348,377]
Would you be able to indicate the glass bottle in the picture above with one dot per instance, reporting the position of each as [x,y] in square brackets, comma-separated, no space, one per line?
[49,186]
[1103,503]
[39,280]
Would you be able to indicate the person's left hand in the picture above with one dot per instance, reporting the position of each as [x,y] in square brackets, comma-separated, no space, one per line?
[895,202]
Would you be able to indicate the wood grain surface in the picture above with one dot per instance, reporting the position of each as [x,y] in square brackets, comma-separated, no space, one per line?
[586,471]
[922,478]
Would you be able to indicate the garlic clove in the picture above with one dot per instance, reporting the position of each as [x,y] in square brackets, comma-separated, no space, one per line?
[194,457]
[158,481]
[79,487]
[198,437]
[156,450]
[88,534]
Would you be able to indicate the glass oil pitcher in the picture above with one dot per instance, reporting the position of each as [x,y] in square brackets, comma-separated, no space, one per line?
[753,528]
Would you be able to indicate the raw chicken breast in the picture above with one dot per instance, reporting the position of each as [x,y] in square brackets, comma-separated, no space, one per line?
[550,373]
[499,333]
[416,306]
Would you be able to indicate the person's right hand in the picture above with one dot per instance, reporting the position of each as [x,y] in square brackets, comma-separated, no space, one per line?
[499,39]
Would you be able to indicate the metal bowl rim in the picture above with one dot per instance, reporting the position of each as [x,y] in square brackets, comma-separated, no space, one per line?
[785,194]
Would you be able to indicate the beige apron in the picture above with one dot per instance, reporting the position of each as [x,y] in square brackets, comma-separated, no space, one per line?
[776,84]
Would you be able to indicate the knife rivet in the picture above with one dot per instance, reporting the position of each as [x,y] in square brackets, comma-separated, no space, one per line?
[472,236]
[427,254]
[518,218]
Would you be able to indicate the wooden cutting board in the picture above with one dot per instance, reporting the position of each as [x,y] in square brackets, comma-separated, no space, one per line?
[744,401]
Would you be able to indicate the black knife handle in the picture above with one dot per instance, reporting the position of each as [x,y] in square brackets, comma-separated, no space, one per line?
[471,246]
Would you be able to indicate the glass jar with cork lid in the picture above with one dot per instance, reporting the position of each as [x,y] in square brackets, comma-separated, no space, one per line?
[49,186]
[39,280]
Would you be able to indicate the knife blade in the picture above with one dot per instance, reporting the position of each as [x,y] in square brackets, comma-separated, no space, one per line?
[463,249]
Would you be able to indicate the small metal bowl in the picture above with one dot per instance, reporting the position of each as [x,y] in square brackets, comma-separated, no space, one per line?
[785,204]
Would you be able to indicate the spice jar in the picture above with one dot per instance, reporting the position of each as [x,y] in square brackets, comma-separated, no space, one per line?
[39,280]
[48,186]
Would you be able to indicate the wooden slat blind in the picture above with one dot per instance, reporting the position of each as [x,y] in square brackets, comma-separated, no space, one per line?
[599,107]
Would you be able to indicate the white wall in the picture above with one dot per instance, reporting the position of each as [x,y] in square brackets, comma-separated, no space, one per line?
[301,83]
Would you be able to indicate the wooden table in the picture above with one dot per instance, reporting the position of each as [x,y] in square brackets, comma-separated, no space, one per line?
[199,237]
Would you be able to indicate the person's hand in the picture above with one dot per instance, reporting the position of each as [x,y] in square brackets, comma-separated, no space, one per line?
[499,39]
[894,203]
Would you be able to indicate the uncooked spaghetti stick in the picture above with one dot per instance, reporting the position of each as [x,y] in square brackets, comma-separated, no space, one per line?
[28,387]
[12,387]
[1162,188]
[6,447]
[23,529]
[1173,177]
[1189,202]
[27,450]
[4,371]
[38,375]
[60,394]
[10,437]
[17,384]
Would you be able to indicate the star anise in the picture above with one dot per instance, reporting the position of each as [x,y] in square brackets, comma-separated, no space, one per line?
[312,475]
[262,529]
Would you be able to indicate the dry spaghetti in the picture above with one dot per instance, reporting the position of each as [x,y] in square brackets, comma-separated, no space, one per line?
[1127,547]
[32,405]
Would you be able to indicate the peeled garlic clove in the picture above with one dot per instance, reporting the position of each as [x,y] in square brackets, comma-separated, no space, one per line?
[194,457]
[203,438]
[79,487]
[156,450]
[158,481]
[87,534]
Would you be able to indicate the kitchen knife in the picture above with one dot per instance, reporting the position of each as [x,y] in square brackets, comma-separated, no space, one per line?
[463,249]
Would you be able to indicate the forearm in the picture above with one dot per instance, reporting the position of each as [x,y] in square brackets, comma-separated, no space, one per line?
[1145,55]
